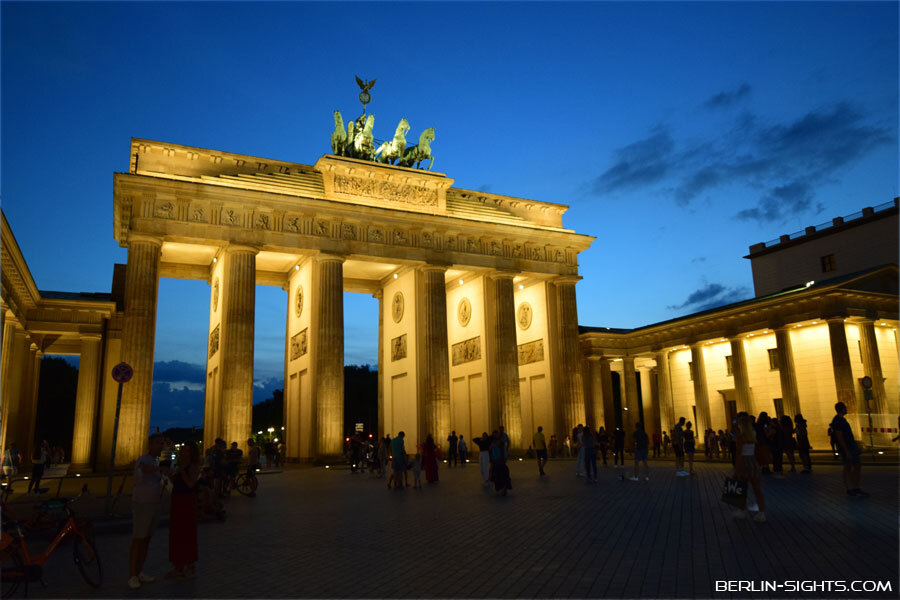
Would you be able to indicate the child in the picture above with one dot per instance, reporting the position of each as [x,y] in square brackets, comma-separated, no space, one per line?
[417,470]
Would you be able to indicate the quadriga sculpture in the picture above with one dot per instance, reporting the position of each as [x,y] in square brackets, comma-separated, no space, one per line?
[420,152]
[364,141]
[338,136]
[390,151]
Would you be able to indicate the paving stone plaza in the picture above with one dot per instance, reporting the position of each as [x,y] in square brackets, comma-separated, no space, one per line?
[313,532]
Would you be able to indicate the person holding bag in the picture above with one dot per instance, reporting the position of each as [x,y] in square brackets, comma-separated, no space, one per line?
[746,467]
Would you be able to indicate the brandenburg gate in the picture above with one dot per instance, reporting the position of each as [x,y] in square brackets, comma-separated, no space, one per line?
[477,322]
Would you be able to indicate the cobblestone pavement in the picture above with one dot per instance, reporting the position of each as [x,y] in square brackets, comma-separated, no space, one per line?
[313,532]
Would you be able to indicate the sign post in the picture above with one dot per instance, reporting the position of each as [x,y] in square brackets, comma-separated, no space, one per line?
[867,394]
[121,373]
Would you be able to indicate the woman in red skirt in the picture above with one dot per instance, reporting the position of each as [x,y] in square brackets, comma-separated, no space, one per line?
[183,514]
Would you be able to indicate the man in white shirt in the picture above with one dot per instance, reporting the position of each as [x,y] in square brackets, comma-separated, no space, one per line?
[146,504]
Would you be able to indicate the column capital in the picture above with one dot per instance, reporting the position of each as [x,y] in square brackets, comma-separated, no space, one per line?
[143,238]
[234,248]
[90,337]
[566,279]
[502,274]
[379,293]
[427,267]
[326,257]
[834,319]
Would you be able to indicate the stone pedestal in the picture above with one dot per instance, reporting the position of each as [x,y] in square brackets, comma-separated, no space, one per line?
[505,357]
[86,402]
[786,372]
[435,374]
[840,361]
[701,393]
[741,375]
[570,385]
[138,336]
[329,356]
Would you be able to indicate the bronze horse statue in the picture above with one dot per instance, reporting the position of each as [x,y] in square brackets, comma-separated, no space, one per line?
[390,151]
[414,155]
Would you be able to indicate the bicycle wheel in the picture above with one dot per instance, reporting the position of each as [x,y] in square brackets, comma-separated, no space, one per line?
[12,572]
[247,484]
[88,561]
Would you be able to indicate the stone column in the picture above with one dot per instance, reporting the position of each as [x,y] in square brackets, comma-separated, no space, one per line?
[609,407]
[329,355]
[138,337]
[6,360]
[786,372]
[701,394]
[630,411]
[16,388]
[86,401]
[380,296]
[664,389]
[238,316]
[506,357]
[654,415]
[840,361]
[436,355]
[36,357]
[872,365]
[741,375]
[571,386]
[594,405]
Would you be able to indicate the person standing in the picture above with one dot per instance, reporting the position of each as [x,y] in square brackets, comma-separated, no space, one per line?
[578,440]
[38,462]
[183,514]
[499,468]
[553,445]
[747,467]
[787,440]
[803,446]
[603,444]
[589,453]
[849,450]
[657,444]
[678,447]
[463,451]
[665,443]
[398,461]
[484,457]
[429,455]
[146,504]
[11,460]
[540,449]
[619,449]
[452,452]
[689,446]
[641,449]
[384,454]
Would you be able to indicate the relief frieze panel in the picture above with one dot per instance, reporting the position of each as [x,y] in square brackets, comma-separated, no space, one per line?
[466,351]
[386,190]
[531,352]
[213,342]
[299,344]
[398,348]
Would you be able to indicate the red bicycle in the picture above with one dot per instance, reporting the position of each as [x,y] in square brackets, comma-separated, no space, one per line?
[20,567]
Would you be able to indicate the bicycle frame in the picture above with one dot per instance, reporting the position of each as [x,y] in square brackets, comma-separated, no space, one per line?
[69,528]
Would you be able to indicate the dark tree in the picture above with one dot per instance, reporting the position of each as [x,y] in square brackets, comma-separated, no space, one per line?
[56,403]
[360,398]
[269,413]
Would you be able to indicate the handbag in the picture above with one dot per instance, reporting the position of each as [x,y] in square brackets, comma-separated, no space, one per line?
[734,493]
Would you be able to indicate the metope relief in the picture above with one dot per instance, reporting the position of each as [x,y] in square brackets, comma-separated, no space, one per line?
[263,221]
[524,316]
[165,210]
[348,231]
[198,215]
[213,342]
[397,307]
[298,344]
[531,352]
[398,348]
[464,311]
[467,351]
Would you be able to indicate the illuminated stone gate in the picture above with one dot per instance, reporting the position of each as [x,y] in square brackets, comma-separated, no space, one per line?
[477,316]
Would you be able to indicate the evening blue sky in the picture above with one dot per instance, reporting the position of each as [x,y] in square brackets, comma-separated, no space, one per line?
[679,134]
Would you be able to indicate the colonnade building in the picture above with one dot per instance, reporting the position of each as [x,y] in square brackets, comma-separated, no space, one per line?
[477,323]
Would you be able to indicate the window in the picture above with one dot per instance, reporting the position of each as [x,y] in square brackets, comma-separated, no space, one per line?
[773,359]
[827,263]
[690,370]
[729,365]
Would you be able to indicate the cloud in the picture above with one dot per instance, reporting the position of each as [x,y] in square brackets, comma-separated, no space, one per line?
[712,295]
[699,259]
[638,164]
[178,371]
[728,98]
[485,188]
[787,160]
